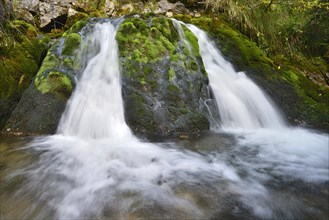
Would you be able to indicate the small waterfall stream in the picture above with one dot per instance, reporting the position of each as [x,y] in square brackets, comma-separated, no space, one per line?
[242,104]
[94,167]
[95,109]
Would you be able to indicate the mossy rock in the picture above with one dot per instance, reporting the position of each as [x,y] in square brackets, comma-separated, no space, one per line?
[49,90]
[142,42]
[57,83]
[76,22]
[162,81]
[71,44]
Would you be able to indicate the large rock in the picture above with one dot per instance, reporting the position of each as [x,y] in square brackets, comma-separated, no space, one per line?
[164,80]
[42,104]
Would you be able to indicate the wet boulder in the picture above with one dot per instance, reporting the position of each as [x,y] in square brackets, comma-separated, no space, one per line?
[164,82]
[42,104]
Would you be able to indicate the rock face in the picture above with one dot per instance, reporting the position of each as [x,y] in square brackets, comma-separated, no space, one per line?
[163,77]
[42,104]
[53,14]
[164,81]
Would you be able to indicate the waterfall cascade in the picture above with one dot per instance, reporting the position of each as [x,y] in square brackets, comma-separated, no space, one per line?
[241,103]
[95,110]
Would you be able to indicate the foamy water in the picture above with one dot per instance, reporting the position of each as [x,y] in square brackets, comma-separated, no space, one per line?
[241,103]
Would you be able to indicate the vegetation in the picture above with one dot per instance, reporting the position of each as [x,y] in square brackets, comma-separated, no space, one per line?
[280,26]
[21,52]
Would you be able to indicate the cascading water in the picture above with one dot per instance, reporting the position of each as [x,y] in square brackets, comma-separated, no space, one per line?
[95,109]
[241,103]
[94,168]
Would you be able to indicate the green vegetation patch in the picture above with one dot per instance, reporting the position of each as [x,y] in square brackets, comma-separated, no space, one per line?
[146,40]
[21,51]
[71,44]
[55,82]
[232,41]
[193,40]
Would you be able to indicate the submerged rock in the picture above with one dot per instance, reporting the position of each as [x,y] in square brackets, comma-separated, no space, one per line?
[164,80]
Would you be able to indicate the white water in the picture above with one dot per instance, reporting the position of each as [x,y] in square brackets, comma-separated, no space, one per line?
[241,103]
[95,109]
[94,168]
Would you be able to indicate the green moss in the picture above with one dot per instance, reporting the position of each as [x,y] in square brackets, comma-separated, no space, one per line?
[147,70]
[76,22]
[78,25]
[17,70]
[151,37]
[192,65]
[55,82]
[142,81]
[8,84]
[162,24]
[173,89]
[68,62]
[171,73]
[133,34]
[71,44]
[50,62]
[23,30]
[193,40]
[232,41]
[21,49]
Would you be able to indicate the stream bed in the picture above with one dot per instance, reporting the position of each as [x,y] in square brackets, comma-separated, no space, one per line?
[219,175]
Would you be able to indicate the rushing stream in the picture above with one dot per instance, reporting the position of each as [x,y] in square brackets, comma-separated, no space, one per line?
[253,167]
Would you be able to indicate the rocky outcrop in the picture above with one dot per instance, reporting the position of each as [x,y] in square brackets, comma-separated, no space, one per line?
[163,77]
[164,81]
[53,14]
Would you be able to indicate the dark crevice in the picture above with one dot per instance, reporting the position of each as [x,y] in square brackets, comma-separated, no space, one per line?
[57,23]
[33,13]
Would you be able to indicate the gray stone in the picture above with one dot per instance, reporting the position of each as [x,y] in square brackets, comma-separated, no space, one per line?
[28,5]
[50,11]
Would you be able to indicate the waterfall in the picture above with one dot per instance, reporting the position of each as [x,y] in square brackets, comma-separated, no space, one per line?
[94,168]
[95,110]
[241,103]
